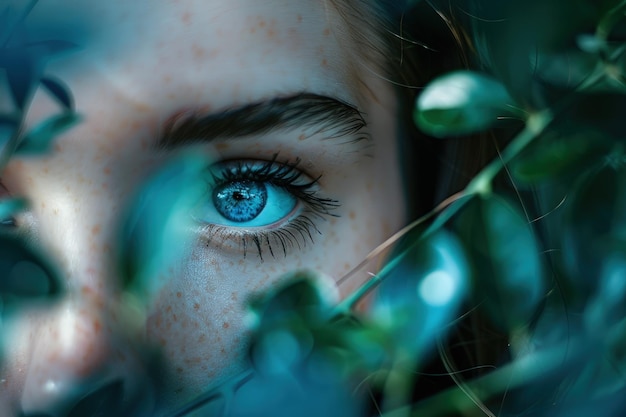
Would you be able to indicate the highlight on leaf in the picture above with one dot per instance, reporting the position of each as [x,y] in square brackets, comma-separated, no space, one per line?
[462,102]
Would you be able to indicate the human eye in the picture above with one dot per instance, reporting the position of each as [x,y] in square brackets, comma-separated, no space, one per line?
[266,205]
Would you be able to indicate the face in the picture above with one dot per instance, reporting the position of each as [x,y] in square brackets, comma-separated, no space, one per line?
[311,181]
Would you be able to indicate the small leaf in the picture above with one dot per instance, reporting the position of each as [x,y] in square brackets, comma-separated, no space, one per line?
[159,224]
[423,292]
[39,140]
[23,74]
[50,47]
[60,91]
[560,152]
[460,103]
[25,273]
[106,401]
[595,225]
[508,271]
[9,208]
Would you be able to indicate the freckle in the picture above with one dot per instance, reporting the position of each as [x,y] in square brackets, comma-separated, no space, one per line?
[142,107]
[324,62]
[225,325]
[196,306]
[302,137]
[186,18]
[262,23]
[175,317]
[326,32]
[271,33]
[352,215]
[107,170]
[167,79]
[95,230]
[97,326]
[299,18]
[252,30]
[179,294]
[198,51]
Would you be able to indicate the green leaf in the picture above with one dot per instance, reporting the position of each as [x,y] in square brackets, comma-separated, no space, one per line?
[39,140]
[560,152]
[103,402]
[508,272]
[23,74]
[158,227]
[595,225]
[59,91]
[11,207]
[423,292]
[460,103]
[25,273]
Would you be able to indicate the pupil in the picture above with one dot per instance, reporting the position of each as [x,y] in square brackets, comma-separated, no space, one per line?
[240,201]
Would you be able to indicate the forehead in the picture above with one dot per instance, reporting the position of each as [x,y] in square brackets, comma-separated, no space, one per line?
[221,52]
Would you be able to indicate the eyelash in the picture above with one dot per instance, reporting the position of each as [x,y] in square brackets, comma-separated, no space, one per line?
[296,232]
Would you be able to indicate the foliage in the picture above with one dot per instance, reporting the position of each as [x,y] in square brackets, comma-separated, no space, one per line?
[26,273]
[542,257]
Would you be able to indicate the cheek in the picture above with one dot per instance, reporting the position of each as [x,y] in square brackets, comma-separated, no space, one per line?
[198,318]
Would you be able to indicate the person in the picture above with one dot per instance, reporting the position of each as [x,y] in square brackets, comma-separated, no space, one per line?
[293,103]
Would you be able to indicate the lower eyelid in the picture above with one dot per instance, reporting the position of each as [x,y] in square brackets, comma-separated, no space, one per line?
[297,233]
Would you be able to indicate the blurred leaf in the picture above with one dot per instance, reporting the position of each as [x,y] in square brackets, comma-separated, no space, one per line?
[39,140]
[600,112]
[460,103]
[423,292]
[60,91]
[8,126]
[312,391]
[595,224]
[25,273]
[284,320]
[307,362]
[159,227]
[104,402]
[560,152]
[50,47]
[510,35]
[23,74]
[11,207]
[507,266]
[566,69]
[304,294]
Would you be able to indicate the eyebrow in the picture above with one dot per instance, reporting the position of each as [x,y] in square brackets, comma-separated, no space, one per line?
[325,114]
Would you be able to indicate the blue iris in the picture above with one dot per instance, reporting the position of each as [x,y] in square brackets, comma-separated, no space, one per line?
[240,201]
[246,203]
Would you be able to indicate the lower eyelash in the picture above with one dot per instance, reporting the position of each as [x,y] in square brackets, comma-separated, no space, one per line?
[298,232]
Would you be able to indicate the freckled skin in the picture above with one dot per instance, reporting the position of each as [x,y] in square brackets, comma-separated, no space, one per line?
[183,55]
